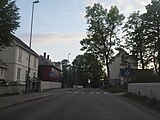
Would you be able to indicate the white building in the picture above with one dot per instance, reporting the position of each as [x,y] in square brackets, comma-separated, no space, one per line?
[16,58]
[3,68]
[122,61]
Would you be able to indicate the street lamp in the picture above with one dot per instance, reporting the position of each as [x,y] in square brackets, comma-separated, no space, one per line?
[27,80]
[68,56]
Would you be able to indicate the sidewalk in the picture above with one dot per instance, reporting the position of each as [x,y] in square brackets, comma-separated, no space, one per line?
[8,101]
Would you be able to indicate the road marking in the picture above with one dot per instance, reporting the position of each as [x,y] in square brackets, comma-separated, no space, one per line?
[69,92]
[98,93]
[83,92]
[91,92]
[76,92]
[105,93]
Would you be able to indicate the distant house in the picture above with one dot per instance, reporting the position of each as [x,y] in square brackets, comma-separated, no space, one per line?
[120,66]
[16,59]
[48,71]
[3,68]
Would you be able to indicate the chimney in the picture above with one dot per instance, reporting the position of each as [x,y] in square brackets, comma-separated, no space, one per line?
[44,55]
[47,57]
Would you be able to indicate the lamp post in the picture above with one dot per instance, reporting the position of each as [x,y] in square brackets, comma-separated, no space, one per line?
[68,56]
[30,41]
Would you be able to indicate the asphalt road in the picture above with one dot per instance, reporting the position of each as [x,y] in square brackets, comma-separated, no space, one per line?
[77,104]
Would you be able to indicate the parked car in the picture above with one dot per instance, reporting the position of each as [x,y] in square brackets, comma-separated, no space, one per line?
[13,83]
[3,82]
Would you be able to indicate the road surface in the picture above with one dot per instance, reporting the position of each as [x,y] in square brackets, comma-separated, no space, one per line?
[76,104]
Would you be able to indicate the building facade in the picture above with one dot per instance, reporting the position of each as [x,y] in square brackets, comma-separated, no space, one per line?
[3,69]
[16,58]
[48,71]
[121,61]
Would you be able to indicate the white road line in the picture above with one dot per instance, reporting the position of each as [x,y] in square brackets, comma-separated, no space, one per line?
[76,92]
[83,92]
[91,92]
[105,93]
[69,92]
[98,93]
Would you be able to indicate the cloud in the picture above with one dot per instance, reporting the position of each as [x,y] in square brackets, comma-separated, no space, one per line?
[67,13]
[125,6]
[51,38]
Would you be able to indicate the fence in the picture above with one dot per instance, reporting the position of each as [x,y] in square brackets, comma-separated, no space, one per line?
[11,89]
[50,85]
[151,90]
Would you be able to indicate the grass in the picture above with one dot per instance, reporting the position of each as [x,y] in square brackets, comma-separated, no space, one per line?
[144,100]
[116,89]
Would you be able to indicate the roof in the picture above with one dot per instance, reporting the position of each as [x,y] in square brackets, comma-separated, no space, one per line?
[23,45]
[121,51]
[44,62]
[2,64]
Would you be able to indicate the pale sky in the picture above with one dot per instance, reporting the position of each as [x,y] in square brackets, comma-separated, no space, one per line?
[59,25]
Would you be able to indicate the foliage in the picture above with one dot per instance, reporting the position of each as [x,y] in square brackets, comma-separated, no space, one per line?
[89,70]
[102,32]
[152,31]
[144,76]
[65,68]
[143,36]
[9,22]
[135,39]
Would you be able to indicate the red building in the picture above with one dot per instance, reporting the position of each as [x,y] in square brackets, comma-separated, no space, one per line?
[47,71]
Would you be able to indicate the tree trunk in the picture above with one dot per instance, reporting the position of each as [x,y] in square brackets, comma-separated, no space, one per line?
[141,59]
[159,59]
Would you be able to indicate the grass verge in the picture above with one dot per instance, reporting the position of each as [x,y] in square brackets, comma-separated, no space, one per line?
[144,100]
[116,89]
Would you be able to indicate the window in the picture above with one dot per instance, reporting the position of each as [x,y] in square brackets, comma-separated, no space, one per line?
[34,74]
[35,61]
[27,58]
[1,73]
[18,74]
[20,55]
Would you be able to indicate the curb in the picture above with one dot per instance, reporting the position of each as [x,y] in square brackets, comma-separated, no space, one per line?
[25,101]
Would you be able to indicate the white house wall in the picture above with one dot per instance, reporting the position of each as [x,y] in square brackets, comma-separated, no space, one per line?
[116,65]
[23,64]
[115,68]
[10,57]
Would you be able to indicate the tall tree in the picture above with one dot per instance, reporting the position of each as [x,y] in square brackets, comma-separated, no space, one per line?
[65,69]
[89,69]
[152,31]
[102,32]
[9,22]
[135,39]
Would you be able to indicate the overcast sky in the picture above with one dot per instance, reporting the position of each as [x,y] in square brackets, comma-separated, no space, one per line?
[59,25]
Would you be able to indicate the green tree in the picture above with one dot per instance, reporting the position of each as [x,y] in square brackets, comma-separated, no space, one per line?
[9,22]
[152,31]
[89,70]
[102,31]
[65,69]
[135,39]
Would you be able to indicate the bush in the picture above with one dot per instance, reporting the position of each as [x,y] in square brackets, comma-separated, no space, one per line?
[144,76]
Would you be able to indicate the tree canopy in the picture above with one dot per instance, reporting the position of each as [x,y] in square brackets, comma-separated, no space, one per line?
[9,22]
[89,70]
[103,26]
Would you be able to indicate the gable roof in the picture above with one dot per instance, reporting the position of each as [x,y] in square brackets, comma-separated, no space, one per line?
[121,51]
[44,62]
[23,45]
